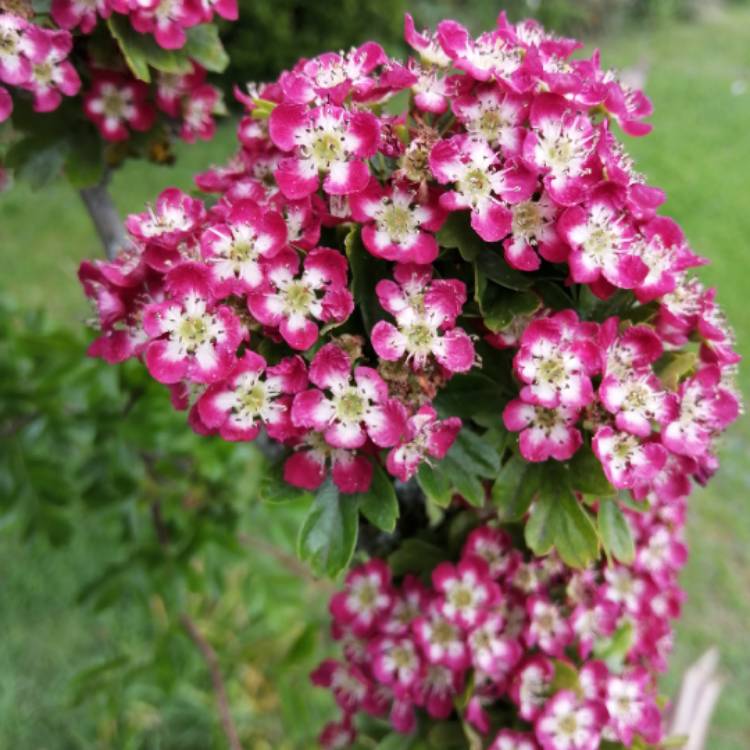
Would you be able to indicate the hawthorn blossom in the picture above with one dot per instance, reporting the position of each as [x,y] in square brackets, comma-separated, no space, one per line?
[175,217]
[308,465]
[472,167]
[555,364]
[566,723]
[21,46]
[198,110]
[327,141]
[441,640]
[547,627]
[348,408]
[190,336]
[632,707]
[425,311]
[115,103]
[534,234]
[427,45]
[705,408]
[53,75]
[396,662]
[507,739]
[397,226]
[366,597]
[233,250]
[254,395]
[491,652]
[559,145]
[295,301]
[167,20]
[337,735]
[424,436]
[531,685]
[83,14]
[437,689]
[601,240]
[347,683]
[627,461]
[491,545]
[466,589]
[544,433]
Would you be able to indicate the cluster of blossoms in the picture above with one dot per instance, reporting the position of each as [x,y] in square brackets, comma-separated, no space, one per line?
[362,264]
[36,58]
[498,640]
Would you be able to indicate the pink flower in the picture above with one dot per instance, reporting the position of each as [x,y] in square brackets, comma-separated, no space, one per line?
[637,402]
[494,116]
[592,623]
[531,685]
[568,723]
[198,109]
[190,337]
[338,735]
[6,104]
[233,250]
[705,408]
[545,433]
[427,45]
[602,242]
[397,226]
[467,591]
[84,14]
[489,57]
[491,545]
[115,103]
[425,311]
[347,410]
[292,301]
[308,466]
[396,662]
[167,20]
[53,75]
[555,361]
[548,628]
[347,683]
[437,689]
[423,435]
[175,218]
[254,395]
[559,145]
[533,234]
[631,707]
[491,651]
[367,597]
[479,185]
[328,141]
[21,46]
[507,739]
[626,460]
[441,640]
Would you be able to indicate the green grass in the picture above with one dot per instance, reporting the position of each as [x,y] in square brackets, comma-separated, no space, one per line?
[699,152]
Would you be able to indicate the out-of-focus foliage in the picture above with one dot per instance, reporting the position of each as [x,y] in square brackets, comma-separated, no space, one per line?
[271,36]
[177,516]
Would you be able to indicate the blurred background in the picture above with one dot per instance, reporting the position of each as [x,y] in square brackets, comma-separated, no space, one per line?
[92,458]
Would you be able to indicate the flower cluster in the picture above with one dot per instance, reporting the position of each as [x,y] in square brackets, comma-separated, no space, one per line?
[529,639]
[37,54]
[475,270]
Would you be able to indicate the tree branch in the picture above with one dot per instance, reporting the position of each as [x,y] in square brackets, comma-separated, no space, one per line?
[217,682]
[105,217]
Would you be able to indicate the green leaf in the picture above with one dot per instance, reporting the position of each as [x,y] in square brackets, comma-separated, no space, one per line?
[615,532]
[37,159]
[475,454]
[275,490]
[467,484]
[615,649]
[672,367]
[447,736]
[416,556]
[514,488]
[435,484]
[586,474]
[458,233]
[366,272]
[141,50]
[379,505]
[396,741]
[329,533]
[558,520]
[566,677]
[499,306]
[492,264]
[468,395]
[204,46]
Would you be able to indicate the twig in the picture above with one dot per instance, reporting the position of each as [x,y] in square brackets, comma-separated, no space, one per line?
[105,217]
[217,682]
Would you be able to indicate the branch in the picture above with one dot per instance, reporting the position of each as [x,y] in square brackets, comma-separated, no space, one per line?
[217,682]
[105,217]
